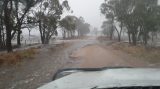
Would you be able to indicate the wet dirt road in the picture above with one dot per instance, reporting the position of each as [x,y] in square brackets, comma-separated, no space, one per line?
[32,74]
[96,56]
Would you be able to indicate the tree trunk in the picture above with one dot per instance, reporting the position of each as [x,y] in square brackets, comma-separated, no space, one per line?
[67,34]
[46,41]
[119,36]
[134,39]
[7,19]
[1,42]
[129,37]
[29,33]
[19,38]
[64,34]
[111,34]
[78,32]
[3,38]
[121,30]
[145,39]
[41,32]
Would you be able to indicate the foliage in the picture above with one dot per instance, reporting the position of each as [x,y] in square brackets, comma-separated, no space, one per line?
[71,24]
[16,15]
[82,27]
[107,29]
[68,24]
[140,17]
[48,17]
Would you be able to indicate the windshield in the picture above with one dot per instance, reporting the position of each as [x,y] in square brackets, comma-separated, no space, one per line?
[40,37]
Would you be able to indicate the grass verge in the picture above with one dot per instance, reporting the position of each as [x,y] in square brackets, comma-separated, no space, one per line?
[149,54]
[17,56]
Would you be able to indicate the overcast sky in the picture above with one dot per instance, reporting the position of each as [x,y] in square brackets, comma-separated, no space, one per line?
[89,10]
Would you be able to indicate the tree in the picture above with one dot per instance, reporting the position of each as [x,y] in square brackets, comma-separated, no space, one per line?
[2,33]
[108,9]
[48,16]
[107,29]
[13,13]
[18,14]
[21,14]
[8,23]
[83,27]
[140,17]
[29,28]
[72,24]
[95,30]
[68,24]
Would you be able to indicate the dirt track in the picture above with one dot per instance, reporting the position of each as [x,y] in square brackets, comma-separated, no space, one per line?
[93,56]
[34,73]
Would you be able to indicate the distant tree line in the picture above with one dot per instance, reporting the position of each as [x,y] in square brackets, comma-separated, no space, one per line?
[140,19]
[71,25]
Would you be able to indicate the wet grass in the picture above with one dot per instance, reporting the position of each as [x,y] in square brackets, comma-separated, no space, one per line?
[60,47]
[148,54]
[17,56]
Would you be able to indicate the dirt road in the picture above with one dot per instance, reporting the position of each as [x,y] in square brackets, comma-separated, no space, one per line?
[31,74]
[93,56]
[103,55]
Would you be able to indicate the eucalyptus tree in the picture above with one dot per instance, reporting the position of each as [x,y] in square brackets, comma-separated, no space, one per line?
[14,13]
[140,17]
[108,8]
[72,24]
[83,27]
[68,24]
[63,24]
[80,21]
[8,21]
[149,17]
[107,29]
[48,16]
[104,28]
[2,33]
[119,11]
[21,10]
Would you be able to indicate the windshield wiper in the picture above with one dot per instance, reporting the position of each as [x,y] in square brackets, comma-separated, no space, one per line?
[131,87]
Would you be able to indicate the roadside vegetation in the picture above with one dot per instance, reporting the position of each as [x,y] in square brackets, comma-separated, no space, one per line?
[72,24]
[134,22]
[44,16]
[138,20]
[17,56]
[139,51]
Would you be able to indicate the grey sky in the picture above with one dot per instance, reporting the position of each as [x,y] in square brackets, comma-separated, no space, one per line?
[89,10]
